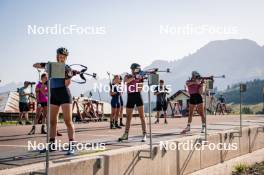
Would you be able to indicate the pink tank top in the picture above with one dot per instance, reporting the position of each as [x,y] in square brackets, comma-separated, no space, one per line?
[42,98]
[132,86]
[194,88]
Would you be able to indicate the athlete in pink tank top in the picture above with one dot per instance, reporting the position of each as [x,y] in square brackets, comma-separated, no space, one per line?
[195,88]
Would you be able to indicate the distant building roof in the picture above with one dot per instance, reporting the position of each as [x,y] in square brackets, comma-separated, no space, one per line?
[184,92]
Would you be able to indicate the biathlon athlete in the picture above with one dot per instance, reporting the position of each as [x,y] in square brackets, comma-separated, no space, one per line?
[195,89]
[60,97]
[161,104]
[115,102]
[41,91]
[221,105]
[24,94]
[134,84]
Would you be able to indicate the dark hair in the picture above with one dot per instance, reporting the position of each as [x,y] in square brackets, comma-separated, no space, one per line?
[43,75]
[135,66]
[117,76]
[161,81]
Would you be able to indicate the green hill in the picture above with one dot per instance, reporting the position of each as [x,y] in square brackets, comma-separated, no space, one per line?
[253,95]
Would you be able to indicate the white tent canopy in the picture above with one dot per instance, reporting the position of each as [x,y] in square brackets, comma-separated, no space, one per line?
[9,102]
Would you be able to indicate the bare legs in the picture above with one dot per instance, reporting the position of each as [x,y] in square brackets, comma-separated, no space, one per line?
[43,111]
[200,111]
[129,112]
[23,115]
[54,110]
[67,114]
[158,116]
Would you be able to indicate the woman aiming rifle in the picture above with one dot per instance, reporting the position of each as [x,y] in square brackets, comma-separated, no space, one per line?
[134,82]
[60,97]
[195,89]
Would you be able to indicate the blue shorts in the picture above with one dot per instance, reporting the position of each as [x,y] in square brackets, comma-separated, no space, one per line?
[115,103]
[121,101]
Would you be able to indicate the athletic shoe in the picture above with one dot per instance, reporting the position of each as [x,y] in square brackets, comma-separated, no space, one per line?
[124,137]
[32,131]
[20,123]
[165,122]
[43,151]
[51,147]
[121,123]
[59,134]
[28,123]
[71,152]
[43,131]
[116,125]
[203,129]
[112,125]
[144,138]
[157,121]
[187,129]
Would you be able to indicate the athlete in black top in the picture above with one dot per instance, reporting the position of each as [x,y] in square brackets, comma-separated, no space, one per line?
[161,104]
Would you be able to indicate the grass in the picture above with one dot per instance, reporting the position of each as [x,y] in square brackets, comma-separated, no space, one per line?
[240,168]
[5,123]
[254,108]
[243,169]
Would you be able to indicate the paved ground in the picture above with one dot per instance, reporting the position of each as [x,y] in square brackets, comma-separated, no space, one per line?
[14,139]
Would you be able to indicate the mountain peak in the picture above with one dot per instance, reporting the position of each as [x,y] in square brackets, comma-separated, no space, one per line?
[238,59]
[230,43]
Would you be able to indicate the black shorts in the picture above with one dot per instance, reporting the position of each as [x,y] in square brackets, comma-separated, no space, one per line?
[196,99]
[161,106]
[23,107]
[134,99]
[60,96]
[42,104]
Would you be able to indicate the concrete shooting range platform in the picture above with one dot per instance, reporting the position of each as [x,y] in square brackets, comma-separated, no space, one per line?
[16,159]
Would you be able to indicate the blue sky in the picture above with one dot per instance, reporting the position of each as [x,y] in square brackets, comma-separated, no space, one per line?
[132,31]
